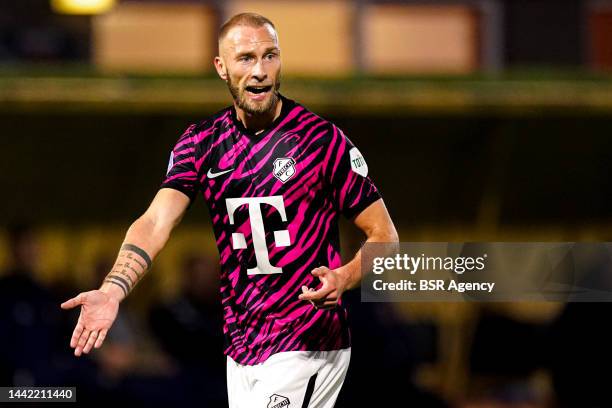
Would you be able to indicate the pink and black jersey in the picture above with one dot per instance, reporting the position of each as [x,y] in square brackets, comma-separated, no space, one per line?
[274,199]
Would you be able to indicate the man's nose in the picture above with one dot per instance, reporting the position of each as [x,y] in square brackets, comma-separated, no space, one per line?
[258,71]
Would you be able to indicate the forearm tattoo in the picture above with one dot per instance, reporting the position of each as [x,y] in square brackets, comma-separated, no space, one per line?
[130,267]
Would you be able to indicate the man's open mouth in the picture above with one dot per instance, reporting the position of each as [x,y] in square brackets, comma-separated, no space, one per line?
[258,89]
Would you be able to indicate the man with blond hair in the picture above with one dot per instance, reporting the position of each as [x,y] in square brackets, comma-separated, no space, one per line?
[276,177]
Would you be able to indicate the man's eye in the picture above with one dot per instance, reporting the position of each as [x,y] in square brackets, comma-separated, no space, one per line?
[244,58]
[270,56]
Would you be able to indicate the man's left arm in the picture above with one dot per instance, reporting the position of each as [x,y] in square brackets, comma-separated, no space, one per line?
[377,225]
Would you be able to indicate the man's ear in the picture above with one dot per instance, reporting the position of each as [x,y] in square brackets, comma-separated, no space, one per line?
[220,67]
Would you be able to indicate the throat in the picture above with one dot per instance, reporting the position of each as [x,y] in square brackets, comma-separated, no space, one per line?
[261,122]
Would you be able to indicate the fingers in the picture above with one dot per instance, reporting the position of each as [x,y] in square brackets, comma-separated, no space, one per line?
[75,301]
[330,301]
[312,294]
[84,340]
[90,342]
[76,335]
[81,342]
[315,294]
[101,338]
[325,305]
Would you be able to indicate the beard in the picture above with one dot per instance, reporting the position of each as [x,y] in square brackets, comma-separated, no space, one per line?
[250,107]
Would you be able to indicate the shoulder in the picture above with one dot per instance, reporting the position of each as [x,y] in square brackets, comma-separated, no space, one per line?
[316,126]
[205,130]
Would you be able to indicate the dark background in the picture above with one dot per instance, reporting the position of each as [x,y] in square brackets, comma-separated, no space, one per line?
[519,150]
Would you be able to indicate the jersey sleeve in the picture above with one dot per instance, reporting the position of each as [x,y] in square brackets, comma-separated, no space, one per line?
[181,174]
[347,172]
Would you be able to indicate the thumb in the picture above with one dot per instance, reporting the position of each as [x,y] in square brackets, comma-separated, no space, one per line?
[320,271]
[74,302]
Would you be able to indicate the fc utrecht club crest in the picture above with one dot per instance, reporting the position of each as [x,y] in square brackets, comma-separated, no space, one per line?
[278,401]
[284,168]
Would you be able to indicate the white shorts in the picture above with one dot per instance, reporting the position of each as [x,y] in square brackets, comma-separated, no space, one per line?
[290,379]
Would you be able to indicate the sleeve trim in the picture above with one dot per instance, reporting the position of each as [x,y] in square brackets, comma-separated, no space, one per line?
[178,187]
[353,212]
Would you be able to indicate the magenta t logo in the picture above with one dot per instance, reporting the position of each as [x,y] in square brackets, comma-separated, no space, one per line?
[281,237]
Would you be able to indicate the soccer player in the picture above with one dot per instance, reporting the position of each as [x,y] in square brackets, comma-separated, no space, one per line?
[276,177]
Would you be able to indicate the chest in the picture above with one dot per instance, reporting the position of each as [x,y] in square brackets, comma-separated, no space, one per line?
[280,164]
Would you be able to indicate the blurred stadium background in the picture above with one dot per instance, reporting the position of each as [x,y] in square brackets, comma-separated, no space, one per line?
[480,120]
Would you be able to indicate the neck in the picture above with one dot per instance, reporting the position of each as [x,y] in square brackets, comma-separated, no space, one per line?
[261,121]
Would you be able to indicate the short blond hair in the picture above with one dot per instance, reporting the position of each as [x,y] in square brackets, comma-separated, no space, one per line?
[244,19]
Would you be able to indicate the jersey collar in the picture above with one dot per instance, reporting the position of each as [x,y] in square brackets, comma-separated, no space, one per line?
[288,104]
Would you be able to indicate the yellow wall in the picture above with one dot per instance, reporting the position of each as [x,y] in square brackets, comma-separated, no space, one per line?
[317,37]
[150,37]
[420,39]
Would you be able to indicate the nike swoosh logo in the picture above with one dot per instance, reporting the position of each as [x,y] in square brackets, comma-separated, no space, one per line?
[211,175]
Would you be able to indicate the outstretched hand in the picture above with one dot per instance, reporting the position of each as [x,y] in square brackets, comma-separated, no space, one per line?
[98,312]
[328,295]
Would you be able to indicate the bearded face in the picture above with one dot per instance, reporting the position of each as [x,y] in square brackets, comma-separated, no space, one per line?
[256,98]
[250,64]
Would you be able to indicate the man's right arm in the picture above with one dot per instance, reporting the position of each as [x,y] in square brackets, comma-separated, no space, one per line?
[143,241]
